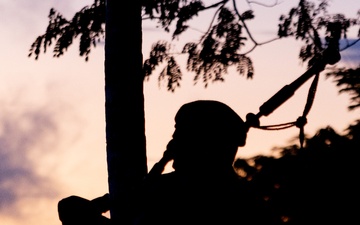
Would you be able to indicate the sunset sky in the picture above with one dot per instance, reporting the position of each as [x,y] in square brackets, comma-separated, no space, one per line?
[52,130]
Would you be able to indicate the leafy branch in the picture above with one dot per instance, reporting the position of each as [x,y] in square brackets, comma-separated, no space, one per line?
[220,47]
[88,23]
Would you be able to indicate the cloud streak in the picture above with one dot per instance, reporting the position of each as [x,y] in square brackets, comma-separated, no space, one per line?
[21,133]
[31,136]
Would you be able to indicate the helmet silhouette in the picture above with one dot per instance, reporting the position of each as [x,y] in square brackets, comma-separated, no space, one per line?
[210,121]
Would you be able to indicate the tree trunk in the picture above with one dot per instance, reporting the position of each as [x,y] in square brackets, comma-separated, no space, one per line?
[124,106]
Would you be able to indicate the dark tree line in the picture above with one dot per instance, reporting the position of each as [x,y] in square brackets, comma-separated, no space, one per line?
[317,184]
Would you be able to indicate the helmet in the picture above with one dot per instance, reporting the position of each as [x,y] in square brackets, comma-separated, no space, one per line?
[210,121]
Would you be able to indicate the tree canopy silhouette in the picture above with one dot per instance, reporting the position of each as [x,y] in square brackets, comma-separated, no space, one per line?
[219,47]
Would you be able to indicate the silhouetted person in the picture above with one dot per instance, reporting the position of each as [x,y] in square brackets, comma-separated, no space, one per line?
[203,188]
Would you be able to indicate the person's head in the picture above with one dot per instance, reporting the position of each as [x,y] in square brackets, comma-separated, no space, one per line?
[207,132]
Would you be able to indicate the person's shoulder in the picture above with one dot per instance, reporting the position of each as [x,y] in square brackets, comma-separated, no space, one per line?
[161,180]
[170,178]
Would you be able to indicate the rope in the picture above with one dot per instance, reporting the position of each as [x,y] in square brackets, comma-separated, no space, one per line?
[301,121]
[277,126]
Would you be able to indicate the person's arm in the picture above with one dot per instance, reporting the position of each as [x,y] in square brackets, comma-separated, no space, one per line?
[78,210]
[159,167]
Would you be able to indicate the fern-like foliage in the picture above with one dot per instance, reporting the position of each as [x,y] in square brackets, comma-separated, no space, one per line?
[305,21]
[169,11]
[88,23]
[220,47]
[348,81]
[211,57]
[171,72]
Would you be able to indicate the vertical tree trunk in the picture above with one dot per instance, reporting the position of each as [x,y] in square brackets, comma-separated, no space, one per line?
[124,106]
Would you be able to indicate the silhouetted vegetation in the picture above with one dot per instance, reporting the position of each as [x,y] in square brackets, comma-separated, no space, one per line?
[314,185]
[219,47]
[348,81]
